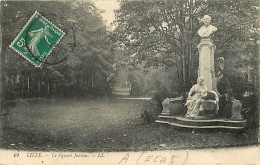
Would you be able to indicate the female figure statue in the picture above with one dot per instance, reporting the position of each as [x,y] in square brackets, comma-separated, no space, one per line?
[194,99]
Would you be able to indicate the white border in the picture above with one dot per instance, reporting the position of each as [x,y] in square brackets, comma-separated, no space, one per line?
[16,38]
[222,156]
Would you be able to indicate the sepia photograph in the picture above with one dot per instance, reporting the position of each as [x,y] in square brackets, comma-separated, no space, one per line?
[129,76]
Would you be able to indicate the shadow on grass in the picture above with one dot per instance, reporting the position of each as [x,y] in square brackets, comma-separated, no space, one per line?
[103,125]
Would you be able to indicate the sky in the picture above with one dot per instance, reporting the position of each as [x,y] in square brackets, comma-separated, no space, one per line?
[108,6]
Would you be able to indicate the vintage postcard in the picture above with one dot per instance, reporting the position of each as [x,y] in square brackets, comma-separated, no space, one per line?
[129,82]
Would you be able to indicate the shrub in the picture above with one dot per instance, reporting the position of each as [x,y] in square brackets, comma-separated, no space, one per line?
[137,84]
[250,111]
[150,111]
[9,93]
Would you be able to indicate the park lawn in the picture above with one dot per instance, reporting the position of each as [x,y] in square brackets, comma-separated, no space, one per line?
[100,125]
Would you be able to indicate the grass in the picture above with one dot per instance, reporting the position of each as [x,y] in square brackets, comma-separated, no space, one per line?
[100,125]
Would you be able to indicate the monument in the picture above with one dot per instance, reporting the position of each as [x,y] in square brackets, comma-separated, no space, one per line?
[206,54]
[196,103]
[202,103]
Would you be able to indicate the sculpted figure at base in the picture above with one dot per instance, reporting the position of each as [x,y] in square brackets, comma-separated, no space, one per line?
[200,102]
[193,102]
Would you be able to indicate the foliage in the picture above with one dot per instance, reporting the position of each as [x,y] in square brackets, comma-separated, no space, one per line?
[138,83]
[163,81]
[147,81]
[150,111]
[164,33]
[90,59]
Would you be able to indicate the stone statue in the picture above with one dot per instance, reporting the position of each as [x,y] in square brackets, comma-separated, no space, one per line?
[196,103]
[206,30]
[206,54]
[173,106]
[193,102]
[166,107]
[200,101]
[236,109]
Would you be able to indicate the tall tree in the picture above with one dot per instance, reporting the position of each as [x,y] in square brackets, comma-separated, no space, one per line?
[86,46]
[164,33]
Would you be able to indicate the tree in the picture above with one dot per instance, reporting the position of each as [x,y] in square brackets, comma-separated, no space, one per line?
[164,33]
[88,54]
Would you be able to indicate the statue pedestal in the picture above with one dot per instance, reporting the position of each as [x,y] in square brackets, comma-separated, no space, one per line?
[210,108]
[202,112]
[206,63]
[173,115]
[173,106]
[201,123]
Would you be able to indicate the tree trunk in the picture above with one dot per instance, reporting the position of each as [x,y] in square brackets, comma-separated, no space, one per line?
[48,88]
[81,79]
[182,18]
[22,92]
[39,87]
[178,72]
[92,80]
[190,45]
[28,85]
[54,89]
[3,51]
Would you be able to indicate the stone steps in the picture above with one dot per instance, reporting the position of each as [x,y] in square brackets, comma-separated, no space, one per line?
[223,123]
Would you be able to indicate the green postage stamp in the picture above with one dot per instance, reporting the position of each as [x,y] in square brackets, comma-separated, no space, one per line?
[37,39]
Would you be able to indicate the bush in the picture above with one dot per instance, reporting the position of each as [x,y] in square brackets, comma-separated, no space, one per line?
[150,111]
[153,108]
[6,105]
[9,93]
[137,84]
[250,111]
